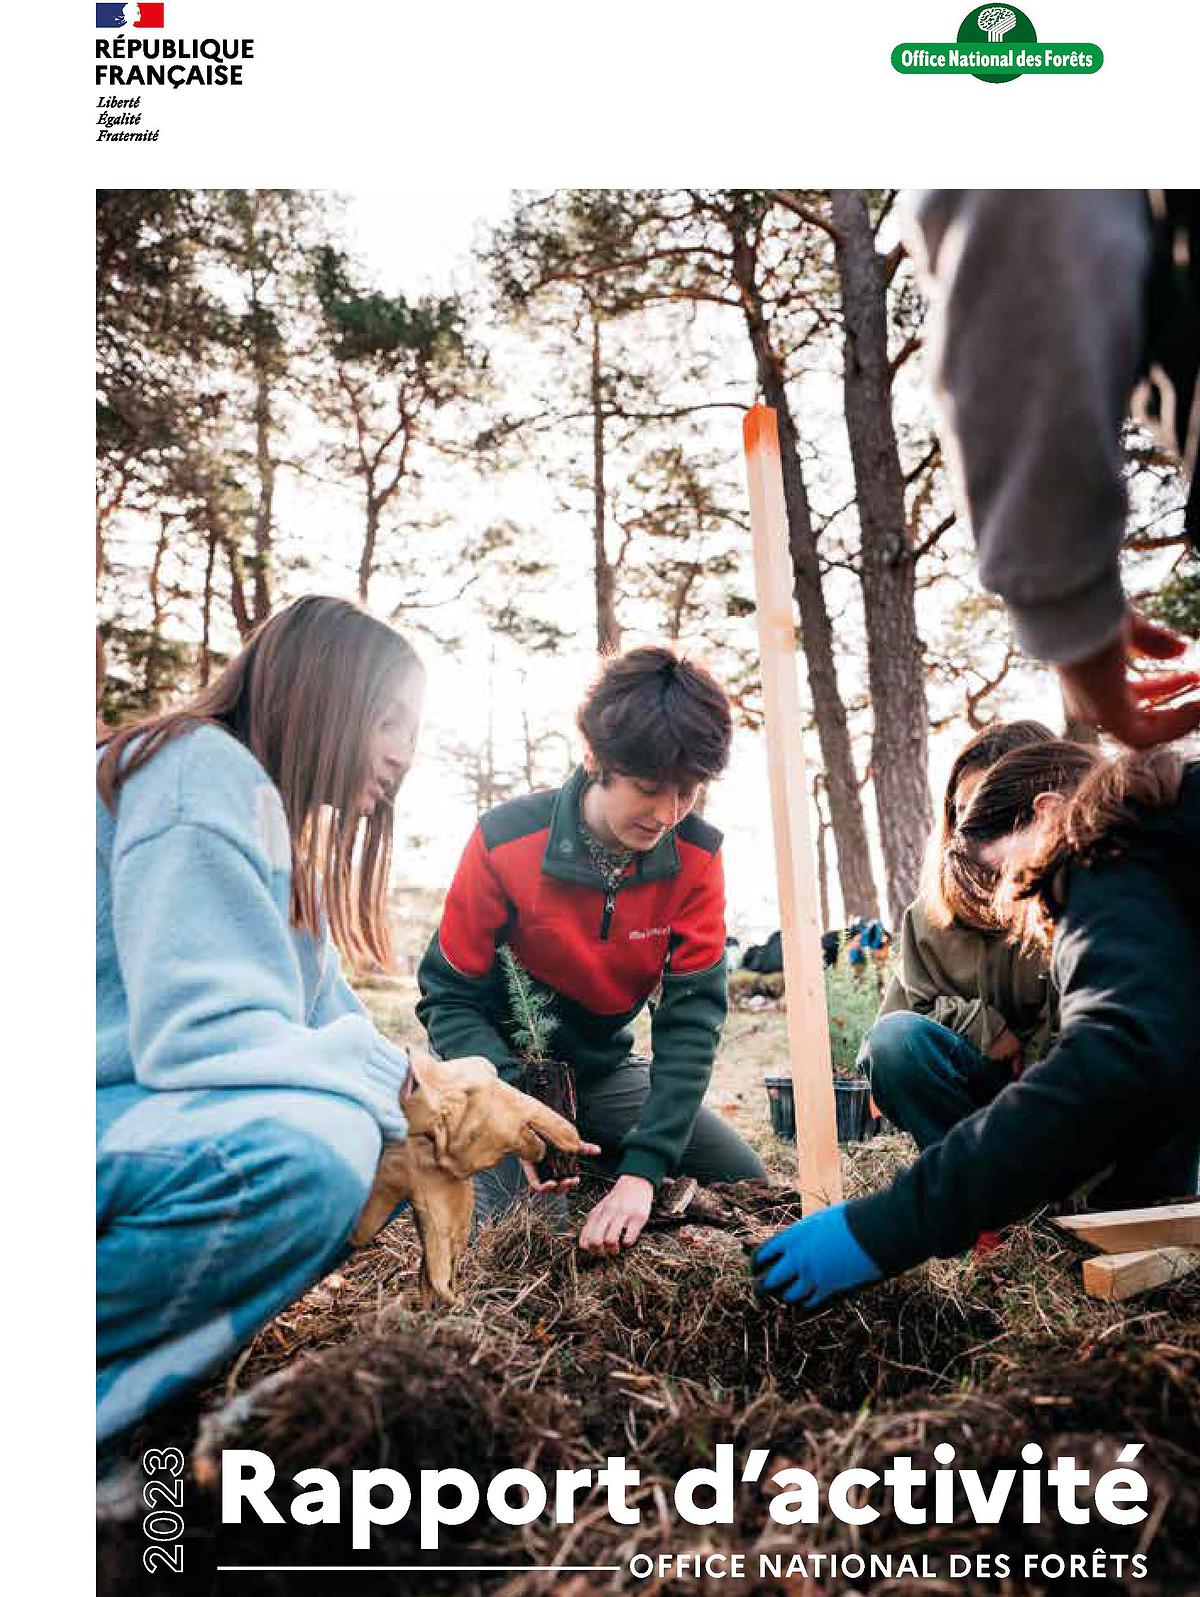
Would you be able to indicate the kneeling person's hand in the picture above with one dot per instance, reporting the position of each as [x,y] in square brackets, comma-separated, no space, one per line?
[619,1217]
[535,1183]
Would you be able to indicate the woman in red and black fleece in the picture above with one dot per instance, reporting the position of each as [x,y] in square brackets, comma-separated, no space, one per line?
[605,889]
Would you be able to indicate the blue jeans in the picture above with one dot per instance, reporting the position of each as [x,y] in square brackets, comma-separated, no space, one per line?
[214,1210]
[925,1077]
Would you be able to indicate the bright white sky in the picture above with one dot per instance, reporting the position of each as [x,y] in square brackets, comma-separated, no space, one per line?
[418,240]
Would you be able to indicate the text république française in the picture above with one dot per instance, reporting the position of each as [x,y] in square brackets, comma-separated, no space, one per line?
[174,63]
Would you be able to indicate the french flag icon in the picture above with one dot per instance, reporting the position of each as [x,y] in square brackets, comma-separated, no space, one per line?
[129,15]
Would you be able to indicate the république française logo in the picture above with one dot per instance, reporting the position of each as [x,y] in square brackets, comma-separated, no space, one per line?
[996,44]
[133,51]
[130,15]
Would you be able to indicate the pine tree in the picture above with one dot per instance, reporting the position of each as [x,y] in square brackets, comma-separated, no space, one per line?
[532,1010]
[393,367]
[1177,602]
[550,1080]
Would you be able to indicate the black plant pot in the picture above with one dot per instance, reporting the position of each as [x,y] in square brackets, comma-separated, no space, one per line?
[851,1101]
[782,1104]
[552,1082]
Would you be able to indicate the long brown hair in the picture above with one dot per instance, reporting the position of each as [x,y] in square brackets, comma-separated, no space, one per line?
[1005,802]
[939,891]
[1100,822]
[303,697]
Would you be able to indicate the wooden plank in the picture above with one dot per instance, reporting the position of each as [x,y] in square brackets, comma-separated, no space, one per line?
[807,1018]
[1122,1275]
[1175,1225]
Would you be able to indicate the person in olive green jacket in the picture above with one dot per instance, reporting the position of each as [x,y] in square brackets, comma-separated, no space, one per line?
[967,1010]
[1102,866]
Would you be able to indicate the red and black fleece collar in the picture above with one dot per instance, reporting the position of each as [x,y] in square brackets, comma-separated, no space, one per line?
[565,858]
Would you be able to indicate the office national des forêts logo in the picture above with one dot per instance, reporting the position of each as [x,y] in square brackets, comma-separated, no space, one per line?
[131,15]
[997,43]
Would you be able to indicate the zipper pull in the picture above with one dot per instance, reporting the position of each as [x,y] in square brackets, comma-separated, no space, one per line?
[610,903]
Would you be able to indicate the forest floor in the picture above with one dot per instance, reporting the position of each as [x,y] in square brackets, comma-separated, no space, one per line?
[553,1361]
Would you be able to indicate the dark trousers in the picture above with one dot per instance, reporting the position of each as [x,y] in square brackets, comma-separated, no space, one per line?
[926,1078]
[609,1107]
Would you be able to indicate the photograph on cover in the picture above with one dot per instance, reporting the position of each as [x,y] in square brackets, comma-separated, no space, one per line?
[648,890]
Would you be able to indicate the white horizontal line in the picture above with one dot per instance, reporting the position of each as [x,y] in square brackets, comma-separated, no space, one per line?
[380,1569]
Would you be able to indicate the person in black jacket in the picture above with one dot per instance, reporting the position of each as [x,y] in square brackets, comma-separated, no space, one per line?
[1111,873]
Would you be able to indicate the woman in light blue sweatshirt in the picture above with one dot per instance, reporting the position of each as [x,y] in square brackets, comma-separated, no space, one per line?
[243,1092]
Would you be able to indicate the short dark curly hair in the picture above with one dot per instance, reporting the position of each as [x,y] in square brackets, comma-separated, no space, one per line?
[653,715]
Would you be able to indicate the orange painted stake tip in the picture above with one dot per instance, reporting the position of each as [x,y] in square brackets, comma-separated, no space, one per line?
[760,429]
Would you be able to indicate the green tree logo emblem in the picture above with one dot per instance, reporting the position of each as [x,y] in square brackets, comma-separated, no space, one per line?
[991,25]
[996,21]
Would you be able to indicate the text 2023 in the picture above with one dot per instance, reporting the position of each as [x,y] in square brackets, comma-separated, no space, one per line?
[163,1525]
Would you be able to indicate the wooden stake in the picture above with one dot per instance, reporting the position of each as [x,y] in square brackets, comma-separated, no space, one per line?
[1170,1225]
[807,1019]
[1122,1275]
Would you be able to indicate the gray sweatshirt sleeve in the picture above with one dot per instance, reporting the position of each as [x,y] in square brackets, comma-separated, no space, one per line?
[1035,339]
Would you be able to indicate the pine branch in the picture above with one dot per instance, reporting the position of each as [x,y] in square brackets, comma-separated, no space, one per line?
[531,1009]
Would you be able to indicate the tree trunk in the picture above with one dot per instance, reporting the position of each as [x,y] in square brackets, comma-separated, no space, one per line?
[105,510]
[527,748]
[266,474]
[608,632]
[101,678]
[367,559]
[678,602]
[237,577]
[237,591]
[895,657]
[845,805]
[218,528]
[206,610]
[151,677]
[822,852]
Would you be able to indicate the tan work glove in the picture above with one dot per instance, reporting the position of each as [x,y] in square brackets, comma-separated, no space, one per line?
[461,1118]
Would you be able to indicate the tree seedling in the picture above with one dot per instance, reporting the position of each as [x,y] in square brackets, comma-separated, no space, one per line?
[550,1080]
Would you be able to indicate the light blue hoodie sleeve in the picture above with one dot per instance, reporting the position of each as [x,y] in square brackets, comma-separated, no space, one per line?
[211,966]
[335,996]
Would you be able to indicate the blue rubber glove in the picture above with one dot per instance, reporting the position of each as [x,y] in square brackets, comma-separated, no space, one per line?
[813,1260]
